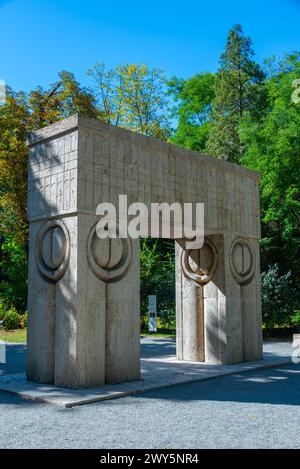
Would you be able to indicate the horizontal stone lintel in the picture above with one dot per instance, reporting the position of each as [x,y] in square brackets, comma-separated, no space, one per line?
[77,122]
[208,230]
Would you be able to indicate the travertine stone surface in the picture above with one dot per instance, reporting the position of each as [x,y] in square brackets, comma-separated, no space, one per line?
[41,319]
[80,162]
[84,294]
[122,358]
[230,307]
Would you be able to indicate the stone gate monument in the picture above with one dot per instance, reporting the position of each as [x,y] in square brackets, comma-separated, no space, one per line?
[84,326]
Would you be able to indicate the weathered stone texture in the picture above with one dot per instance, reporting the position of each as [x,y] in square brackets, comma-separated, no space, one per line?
[84,310]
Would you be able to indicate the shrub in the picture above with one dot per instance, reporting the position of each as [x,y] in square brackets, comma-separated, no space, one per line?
[157,275]
[296,319]
[168,319]
[3,310]
[24,320]
[144,322]
[13,267]
[279,298]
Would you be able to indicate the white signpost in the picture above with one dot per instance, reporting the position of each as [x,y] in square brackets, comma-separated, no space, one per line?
[152,313]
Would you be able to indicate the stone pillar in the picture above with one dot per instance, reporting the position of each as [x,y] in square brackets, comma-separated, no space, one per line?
[217,291]
[245,269]
[80,315]
[69,321]
[116,267]
[41,318]
[189,316]
[84,305]
[194,269]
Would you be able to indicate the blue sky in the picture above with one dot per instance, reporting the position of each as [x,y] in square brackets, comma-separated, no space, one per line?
[183,37]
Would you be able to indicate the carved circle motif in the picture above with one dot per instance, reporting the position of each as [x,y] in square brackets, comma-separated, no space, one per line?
[52,249]
[108,258]
[242,261]
[199,265]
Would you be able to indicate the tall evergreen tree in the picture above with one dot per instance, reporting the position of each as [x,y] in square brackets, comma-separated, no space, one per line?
[272,147]
[239,89]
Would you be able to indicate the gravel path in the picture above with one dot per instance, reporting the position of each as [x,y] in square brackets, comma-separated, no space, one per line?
[252,410]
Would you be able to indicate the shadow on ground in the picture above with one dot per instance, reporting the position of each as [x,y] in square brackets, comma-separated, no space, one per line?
[280,385]
[15,359]
[157,347]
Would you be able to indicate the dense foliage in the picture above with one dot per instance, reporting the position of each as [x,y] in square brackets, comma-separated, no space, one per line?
[158,278]
[278,298]
[243,113]
[193,108]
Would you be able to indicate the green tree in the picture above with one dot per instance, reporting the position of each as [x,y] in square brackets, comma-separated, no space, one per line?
[24,113]
[63,99]
[193,98]
[15,121]
[13,268]
[158,278]
[239,90]
[273,148]
[20,114]
[279,294]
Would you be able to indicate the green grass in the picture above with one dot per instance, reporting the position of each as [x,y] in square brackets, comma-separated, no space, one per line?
[17,335]
[158,335]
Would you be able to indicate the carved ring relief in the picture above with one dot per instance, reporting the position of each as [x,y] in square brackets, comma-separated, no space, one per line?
[52,249]
[242,261]
[108,258]
[200,265]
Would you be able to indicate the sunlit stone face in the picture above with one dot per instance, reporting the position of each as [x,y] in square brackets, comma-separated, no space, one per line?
[54,247]
[107,253]
[241,258]
[201,261]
